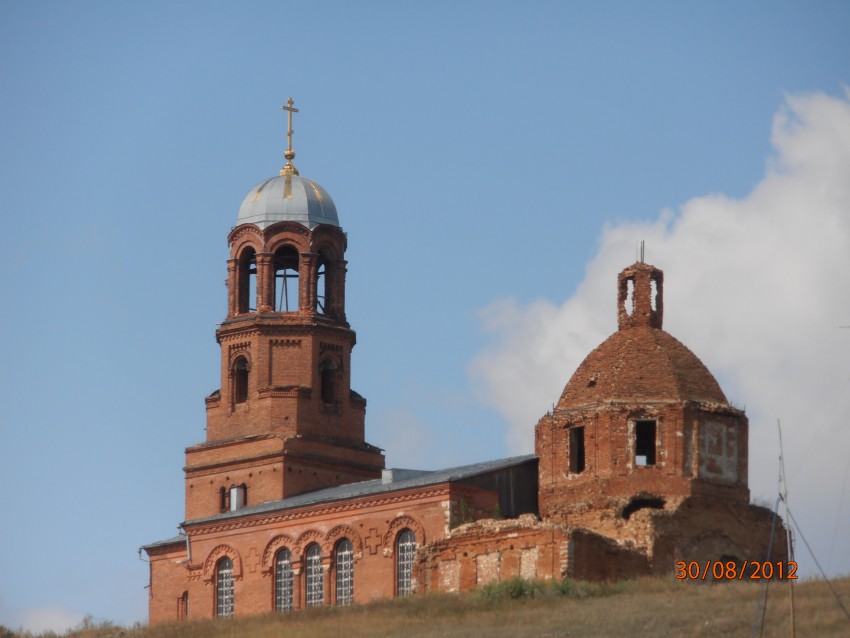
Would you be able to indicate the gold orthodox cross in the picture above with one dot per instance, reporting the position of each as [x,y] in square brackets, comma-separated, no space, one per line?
[288,107]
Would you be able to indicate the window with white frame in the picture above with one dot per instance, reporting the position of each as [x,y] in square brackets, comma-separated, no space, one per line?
[405,553]
[344,562]
[224,588]
[315,589]
[283,581]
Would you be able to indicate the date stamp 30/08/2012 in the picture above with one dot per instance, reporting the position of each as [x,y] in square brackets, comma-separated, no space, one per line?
[732,570]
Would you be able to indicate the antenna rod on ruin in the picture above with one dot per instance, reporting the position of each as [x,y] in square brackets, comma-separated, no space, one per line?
[641,251]
[788,540]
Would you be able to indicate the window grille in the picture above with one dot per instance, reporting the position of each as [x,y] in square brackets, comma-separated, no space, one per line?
[283,581]
[344,572]
[405,553]
[315,581]
[224,588]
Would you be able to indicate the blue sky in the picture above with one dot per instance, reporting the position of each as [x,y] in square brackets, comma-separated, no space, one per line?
[493,164]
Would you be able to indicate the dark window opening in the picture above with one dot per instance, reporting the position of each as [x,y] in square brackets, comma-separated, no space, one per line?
[286,279]
[247,281]
[328,374]
[577,450]
[183,606]
[240,380]
[637,504]
[223,499]
[644,443]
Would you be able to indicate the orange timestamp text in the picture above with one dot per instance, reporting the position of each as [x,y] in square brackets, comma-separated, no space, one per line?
[731,570]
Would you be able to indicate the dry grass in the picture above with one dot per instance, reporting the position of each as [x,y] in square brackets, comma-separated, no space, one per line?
[645,607]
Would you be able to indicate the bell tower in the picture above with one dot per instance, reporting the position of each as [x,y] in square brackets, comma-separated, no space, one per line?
[285,420]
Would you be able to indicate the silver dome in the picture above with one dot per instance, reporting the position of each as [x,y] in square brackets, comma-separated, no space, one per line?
[287,198]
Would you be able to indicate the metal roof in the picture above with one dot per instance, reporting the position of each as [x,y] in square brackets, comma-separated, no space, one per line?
[180,538]
[419,478]
[288,198]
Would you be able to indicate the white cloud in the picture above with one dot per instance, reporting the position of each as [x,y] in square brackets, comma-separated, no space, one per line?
[757,287]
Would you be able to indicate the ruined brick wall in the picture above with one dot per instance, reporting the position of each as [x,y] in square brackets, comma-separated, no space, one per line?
[494,550]
[699,449]
[710,528]
[597,558]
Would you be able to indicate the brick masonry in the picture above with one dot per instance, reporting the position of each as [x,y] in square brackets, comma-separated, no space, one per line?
[641,463]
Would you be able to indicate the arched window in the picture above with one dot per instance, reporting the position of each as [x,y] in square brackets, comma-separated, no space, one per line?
[246,281]
[240,380]
[224,587]
[328,373]
[315,588]
[344,563]
[283,581]
[405,552]
[286,279]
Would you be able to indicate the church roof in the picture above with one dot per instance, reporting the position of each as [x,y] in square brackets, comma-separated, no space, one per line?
[287,197]
[408,479]
[638,365]
[174,540]
[640,362]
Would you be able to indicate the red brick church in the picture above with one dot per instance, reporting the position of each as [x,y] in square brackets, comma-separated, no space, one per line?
[641,463]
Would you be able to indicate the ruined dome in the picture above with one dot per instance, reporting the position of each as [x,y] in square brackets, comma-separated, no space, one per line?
[287,197]
[640,362]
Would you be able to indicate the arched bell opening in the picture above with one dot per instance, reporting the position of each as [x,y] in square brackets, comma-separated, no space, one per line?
[286,279]
[325,283]
[246,282]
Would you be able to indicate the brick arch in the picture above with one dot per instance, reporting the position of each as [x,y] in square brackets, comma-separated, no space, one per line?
[345,531]
[396,525]
[286,233]
[330,247]
[240,351]
[240,244]
[246,234]
[220,551]
[328,236]
[298,244]
[278,542]
[307,538]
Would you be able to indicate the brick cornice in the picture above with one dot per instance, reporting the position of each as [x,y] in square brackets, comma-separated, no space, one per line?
[309,511]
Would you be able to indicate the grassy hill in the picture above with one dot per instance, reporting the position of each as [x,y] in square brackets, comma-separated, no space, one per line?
[644,607]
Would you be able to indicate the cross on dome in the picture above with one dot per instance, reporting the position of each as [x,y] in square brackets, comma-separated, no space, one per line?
[289,169]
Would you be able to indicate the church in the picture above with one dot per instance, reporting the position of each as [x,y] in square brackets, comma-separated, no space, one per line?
[640,464]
